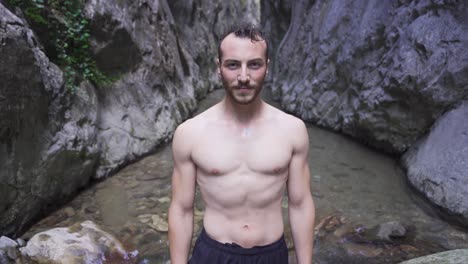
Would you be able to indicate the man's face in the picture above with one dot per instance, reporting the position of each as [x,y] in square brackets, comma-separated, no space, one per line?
[242,68]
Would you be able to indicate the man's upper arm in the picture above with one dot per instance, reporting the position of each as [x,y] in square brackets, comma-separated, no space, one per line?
[184,174]
[299,175]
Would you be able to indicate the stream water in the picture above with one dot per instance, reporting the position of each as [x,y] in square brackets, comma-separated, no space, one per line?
[354,187]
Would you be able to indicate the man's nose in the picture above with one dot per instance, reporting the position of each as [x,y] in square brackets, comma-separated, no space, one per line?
[243,76]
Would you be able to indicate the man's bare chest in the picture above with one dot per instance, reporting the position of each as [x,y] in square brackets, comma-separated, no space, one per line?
[221,153]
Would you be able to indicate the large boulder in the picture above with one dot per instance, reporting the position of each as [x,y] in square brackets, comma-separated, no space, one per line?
[380,71]
[437,165]
[457,256]
[80,243]
[48,136]
[8,250]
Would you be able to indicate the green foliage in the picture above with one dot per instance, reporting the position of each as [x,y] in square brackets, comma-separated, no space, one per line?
[69,35]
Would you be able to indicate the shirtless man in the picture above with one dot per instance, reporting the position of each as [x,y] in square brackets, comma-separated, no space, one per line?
[243,154]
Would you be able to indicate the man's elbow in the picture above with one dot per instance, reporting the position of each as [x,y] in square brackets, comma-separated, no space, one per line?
[180,209]
[303,202]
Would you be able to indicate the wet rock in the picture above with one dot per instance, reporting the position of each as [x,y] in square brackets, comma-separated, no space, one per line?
[21,242]
[80,243]
[328,224]
[438,165]
[69,211]
[146,218]
[388,230]
[338,242]
[8,250]
[149,176]
[457,256]
[6,242]
[159,224]
[164,200]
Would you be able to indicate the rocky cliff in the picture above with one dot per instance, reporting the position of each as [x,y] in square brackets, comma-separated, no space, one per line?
[383,72]
[54,142]
[380,71]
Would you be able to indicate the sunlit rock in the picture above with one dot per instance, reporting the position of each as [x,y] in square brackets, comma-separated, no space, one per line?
[8,250]
[81,243]
[159,223]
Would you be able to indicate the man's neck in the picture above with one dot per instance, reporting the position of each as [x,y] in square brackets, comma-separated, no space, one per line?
[242,114]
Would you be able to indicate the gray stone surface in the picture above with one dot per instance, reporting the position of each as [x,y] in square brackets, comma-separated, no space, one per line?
[275,20]
[48,146]
[459,256]
[152,94]
[81,243]
[6,242]
[169,62]
[380,71]
[8,250]
[389,230]
[437,165]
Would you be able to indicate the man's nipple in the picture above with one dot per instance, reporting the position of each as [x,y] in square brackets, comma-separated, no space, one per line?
[215,171]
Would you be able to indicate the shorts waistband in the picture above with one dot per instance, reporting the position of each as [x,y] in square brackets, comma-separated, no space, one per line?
[239,250]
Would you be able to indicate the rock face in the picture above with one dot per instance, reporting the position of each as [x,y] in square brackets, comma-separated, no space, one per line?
[137,42]
[8,251]
[53,142]
[438,164]
[169,61]
[275,19]
[48,146]
[457,256]
[82,243]
[380,71]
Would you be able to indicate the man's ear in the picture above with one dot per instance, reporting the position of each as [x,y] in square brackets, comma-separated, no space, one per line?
[218,66]
[268,63]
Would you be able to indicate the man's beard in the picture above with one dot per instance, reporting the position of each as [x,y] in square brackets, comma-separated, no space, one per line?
[235,93]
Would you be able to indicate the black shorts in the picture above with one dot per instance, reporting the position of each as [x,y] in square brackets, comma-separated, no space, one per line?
[210,251]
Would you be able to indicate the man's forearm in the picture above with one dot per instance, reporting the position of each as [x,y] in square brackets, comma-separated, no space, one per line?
[180,234]
[301,218]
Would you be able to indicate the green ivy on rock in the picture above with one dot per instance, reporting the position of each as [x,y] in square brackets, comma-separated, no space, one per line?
[68,35]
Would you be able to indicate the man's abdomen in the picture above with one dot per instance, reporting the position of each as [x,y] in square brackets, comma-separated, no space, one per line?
[247,227]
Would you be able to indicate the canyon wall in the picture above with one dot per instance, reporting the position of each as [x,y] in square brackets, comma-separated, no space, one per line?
[53,141]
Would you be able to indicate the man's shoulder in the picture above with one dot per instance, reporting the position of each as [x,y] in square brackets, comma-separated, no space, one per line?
[288,120]
[195,123]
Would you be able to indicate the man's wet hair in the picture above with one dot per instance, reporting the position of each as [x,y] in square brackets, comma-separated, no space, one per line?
[247,31]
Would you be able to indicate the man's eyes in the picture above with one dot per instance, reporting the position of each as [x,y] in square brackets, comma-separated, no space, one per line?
[232,65]
[255,65]
[251,65]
